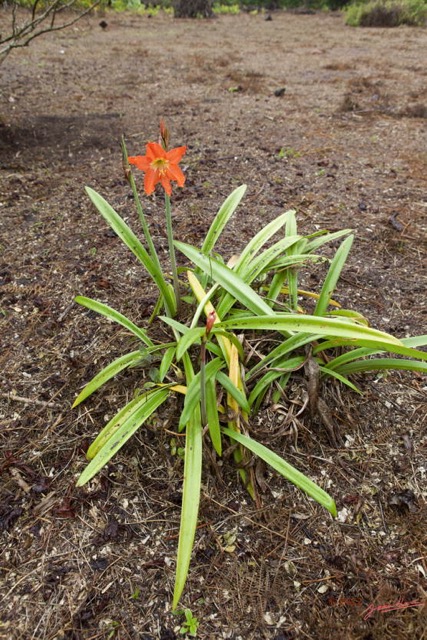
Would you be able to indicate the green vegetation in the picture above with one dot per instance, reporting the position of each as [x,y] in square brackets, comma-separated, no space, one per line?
[387,13]
[261,331]
[364,13]
[191,624]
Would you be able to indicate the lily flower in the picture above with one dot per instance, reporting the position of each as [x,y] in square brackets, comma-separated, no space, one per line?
[161,166]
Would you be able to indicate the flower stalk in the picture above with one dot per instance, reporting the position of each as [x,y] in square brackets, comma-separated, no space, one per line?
[140,211]
[172,255]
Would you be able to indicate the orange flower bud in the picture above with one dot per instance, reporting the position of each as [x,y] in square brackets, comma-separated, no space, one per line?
[164,135]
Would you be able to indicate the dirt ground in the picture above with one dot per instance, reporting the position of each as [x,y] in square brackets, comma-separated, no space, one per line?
[312,115]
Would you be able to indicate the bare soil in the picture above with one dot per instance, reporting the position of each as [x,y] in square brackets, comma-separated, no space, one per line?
[312,115]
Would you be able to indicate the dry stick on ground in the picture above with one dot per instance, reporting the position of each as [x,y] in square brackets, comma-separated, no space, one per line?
[12,396]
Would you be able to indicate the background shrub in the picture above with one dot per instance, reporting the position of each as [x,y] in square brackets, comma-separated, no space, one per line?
[387,13]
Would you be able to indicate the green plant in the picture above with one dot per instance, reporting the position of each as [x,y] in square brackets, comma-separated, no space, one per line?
[257,334]
[191,624]
[288,152]
[386,13]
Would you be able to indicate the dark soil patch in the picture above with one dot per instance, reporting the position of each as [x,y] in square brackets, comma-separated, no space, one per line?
[344,144]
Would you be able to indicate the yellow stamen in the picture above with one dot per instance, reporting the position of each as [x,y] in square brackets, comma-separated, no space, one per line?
[160,164]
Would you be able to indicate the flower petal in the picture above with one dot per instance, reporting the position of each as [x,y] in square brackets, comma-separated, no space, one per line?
[174,173]
[166,184]
[151,178]
[140,162]
[175,155]
[155,150]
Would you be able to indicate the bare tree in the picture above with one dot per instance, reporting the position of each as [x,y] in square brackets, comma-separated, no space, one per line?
[26,24]
[192,8]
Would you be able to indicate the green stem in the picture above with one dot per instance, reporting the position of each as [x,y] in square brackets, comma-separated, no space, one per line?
[203,381]
[172,251]
[141,215]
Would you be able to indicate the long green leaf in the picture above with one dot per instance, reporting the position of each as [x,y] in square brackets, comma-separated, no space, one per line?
[188,339]
[320,240]
[341,378]
[364,336]
[190,502]
[122,435]
[222,217]
[115,316]
[227,279]
[231,337]
[377,364]
[192,397]
[290,275]
[238,395]
[132,242]
[284,262]
[290,344]
[177,326]
[212,415]
[257,266]
[262,386]
[166,362]
[244,266]
[259,240]
[116,422]
[285,469]
[333,275]
[108,372]
[354,354]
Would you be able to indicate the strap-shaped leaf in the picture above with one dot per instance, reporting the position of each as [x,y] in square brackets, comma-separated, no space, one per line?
[238,395]
[108,372]
[290,344]
[333,275]
[212,415]
[235,418]
[291,275]
[122,435]
[192,397]
[177,326]
[115,316]
[321,238]
[259,240]
[341,378]
[222,217]
[249,272]
[336,363]
[132,242]
[258,392]
[227,279]
[190,502]
[268,261]
[285,469]
[188,339]
[364,336]
[166,362]
[378,364]
[203,299]
[116,422]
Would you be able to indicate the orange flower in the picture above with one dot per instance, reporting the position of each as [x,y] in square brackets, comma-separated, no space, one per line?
[161,166]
